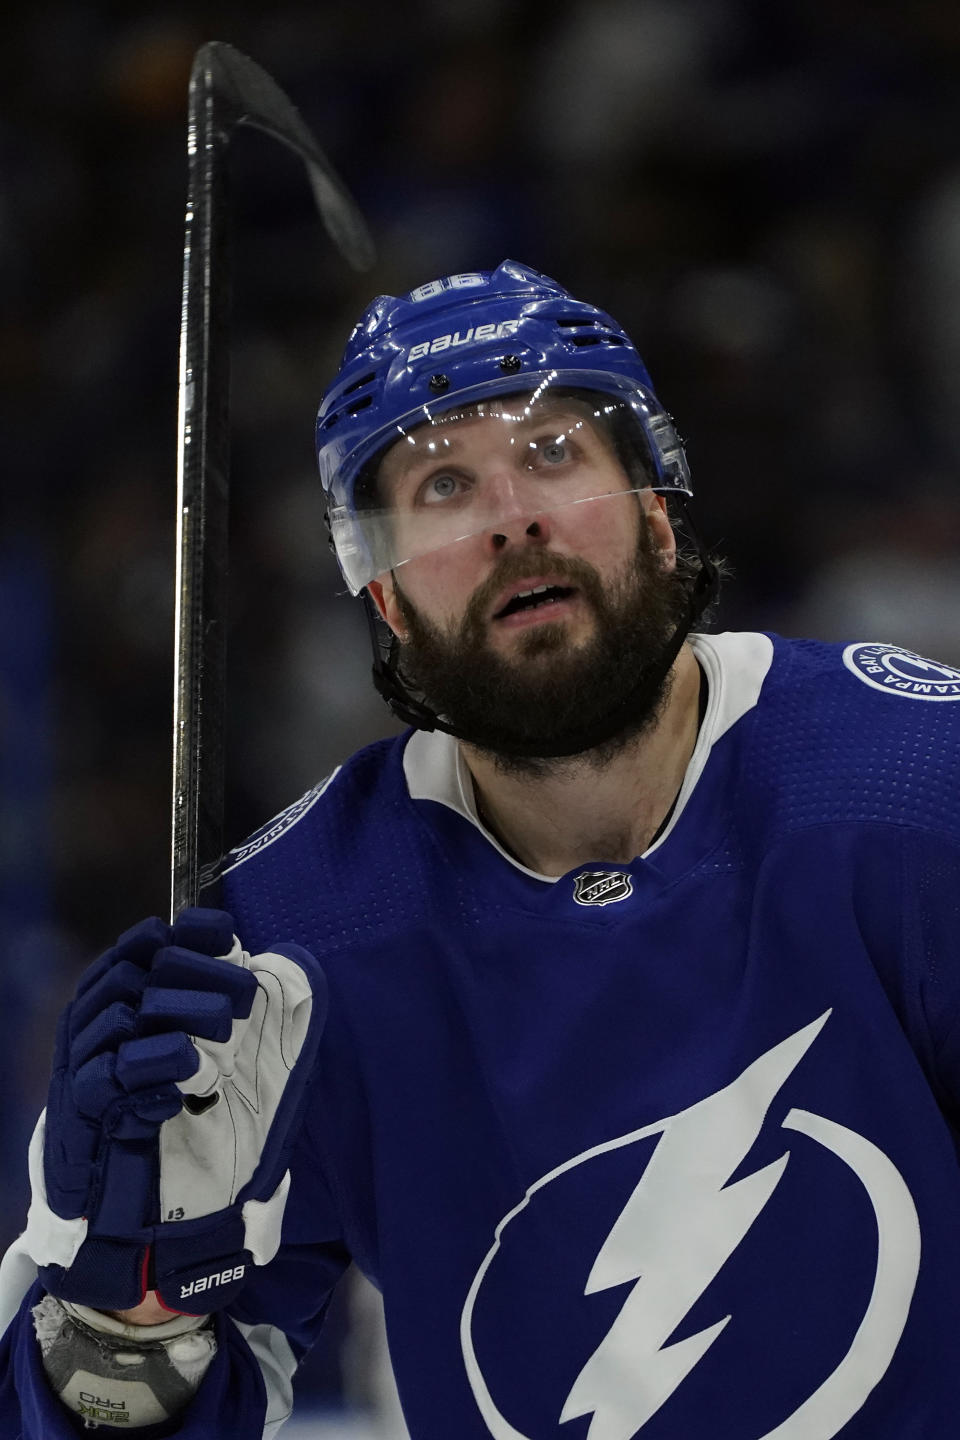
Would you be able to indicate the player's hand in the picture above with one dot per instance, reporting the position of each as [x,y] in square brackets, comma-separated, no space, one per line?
[178,1087]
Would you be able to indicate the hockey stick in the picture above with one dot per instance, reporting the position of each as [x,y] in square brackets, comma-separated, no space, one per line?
[226,90]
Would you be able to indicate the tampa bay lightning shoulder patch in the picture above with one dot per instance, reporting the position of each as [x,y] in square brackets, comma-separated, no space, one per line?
[280,823]
[901,672]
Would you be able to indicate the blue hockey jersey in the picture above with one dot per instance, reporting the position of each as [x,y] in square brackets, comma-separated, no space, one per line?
[664,1150]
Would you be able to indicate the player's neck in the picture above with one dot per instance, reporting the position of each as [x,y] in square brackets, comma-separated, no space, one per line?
[577,813]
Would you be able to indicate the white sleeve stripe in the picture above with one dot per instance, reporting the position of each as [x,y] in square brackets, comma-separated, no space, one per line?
[277,1362]
[17,1274]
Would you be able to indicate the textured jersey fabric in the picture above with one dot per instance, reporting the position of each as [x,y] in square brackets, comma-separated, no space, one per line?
[655,1150]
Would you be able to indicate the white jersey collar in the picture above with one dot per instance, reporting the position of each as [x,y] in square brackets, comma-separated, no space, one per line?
[735,664]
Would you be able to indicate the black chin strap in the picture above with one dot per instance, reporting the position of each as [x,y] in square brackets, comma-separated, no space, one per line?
[414,710]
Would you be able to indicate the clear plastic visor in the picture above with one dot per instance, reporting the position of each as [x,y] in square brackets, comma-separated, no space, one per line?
[487,471]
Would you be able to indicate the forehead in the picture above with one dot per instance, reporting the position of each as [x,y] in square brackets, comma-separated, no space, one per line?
[506,420]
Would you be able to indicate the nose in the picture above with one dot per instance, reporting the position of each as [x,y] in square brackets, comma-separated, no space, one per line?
[513,519]
[520,532]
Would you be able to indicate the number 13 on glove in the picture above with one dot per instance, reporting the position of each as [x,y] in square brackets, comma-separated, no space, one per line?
[180,1079]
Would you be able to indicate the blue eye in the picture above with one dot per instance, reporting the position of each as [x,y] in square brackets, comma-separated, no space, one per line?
[440,487]
[553,451]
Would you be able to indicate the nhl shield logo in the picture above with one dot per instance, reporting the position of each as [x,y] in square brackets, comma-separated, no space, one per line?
[601,887]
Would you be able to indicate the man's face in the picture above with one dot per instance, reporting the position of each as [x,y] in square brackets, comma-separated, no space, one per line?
[543,505]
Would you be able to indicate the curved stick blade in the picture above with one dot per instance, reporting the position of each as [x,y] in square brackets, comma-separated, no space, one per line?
[249,96]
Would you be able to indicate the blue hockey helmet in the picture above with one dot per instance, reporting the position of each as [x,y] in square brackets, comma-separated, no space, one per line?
[418,359]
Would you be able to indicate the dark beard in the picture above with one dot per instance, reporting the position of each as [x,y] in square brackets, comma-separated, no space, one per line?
[551,691]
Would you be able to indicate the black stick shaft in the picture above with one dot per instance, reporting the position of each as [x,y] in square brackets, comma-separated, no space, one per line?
[202,494]
[226,89]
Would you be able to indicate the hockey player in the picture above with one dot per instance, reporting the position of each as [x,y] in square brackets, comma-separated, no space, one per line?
[638,1086]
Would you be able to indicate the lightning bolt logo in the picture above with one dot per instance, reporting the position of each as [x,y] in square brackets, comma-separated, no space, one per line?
[675,1232]
[681,1224]
[918,663]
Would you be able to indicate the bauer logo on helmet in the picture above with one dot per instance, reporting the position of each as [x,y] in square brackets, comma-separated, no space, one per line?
[473,335]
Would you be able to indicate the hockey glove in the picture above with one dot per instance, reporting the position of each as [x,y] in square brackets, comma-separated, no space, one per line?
[178,1088]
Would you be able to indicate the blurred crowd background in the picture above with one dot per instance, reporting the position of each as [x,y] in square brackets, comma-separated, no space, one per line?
[766,195]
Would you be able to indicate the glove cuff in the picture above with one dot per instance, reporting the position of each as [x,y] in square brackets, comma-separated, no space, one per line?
[189,1279]
[199,1266]
[107,1274]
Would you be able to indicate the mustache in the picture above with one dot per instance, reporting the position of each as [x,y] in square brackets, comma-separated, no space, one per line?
[518,565]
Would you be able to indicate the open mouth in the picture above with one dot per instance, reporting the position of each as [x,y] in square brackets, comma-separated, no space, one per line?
[535,599]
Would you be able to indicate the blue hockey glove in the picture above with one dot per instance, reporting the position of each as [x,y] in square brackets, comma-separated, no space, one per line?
[178,1086]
